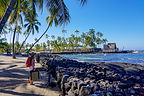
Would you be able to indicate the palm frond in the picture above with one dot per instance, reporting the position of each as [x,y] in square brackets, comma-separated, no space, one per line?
[26,25]
[58,9]
[37,28]
[83,1]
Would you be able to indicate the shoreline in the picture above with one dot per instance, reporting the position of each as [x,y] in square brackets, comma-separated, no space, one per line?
[97,78]
[85,52]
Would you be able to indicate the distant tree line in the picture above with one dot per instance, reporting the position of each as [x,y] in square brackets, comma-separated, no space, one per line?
[82,41]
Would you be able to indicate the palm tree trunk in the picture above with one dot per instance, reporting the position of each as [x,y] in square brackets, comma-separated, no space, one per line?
[23,42]
[13,49]
[10,40]
[39,38]
[7,14]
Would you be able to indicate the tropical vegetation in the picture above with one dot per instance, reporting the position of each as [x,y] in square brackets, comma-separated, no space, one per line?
[76,41]
[14,12]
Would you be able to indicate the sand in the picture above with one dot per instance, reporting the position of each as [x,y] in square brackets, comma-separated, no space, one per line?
[14,82]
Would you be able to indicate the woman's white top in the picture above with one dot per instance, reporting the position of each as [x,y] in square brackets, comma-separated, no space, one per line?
[31,68]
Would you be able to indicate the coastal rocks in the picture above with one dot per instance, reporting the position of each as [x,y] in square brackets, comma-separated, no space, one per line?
[84,91]
[93,79]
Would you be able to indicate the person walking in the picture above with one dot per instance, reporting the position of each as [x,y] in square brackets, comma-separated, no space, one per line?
[32,67]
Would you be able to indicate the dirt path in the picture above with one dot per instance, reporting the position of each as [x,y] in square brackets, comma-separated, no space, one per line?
[13,79]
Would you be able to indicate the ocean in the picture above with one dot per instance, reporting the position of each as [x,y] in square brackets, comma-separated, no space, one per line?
[135,58]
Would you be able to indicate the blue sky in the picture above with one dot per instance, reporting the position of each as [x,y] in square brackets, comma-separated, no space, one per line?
[121,21]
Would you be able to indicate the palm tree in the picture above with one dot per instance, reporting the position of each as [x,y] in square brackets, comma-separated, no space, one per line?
[3,5]
[99,34]
[55,16]
[17,45]
[57,9]
[3,44]
[55,45]
[11,5]
[71,42]
[37,47]
[98,41]
[10,31]
[18,33]
[4,32]
[53,36]
[44,46]
[76,39]
[77,32]
[35,39]
[15,18]
[48,44]
[64,32]
[47,36]
[104,40]
[31,25]
[7,13]
[83,38]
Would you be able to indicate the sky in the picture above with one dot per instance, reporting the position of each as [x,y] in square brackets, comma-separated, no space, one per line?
[120,21]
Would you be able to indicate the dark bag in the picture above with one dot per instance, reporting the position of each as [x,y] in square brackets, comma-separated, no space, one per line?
[34,75]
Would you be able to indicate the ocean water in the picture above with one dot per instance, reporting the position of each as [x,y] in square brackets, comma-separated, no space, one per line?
[135,58]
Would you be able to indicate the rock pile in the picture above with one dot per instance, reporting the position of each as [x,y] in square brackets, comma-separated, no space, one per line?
[87,79]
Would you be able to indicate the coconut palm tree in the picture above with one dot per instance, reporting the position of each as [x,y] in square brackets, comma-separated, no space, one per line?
[76,32]
[56,17]
[44,46]
[16,18]
[53,36]
[4,32]
[3,44]
[76,39]
[56,7]
[99,34]
[10,31]
[3,5]
[64,32]
[104,40]
[7,11]
[98,41]
[83,38]
[47,36]
[10,6]
[31,25]
[18,33]
[71,42]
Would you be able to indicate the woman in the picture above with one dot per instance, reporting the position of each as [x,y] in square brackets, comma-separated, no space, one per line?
[32,67]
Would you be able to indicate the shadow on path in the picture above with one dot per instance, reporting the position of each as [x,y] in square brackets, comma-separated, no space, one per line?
[16,93]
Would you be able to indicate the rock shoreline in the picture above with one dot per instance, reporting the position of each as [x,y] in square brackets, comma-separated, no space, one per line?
[93,79]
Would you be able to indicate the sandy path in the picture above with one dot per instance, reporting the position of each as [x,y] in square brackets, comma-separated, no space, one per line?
[13,79]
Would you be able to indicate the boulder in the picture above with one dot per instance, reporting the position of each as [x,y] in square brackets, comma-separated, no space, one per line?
[85,91]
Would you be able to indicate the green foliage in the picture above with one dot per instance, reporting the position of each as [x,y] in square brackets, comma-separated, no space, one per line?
[17,45]
[3,45]
[37,47]
[44,46]
[84,41]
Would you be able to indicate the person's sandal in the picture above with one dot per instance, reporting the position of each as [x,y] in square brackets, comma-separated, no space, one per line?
[31,84]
